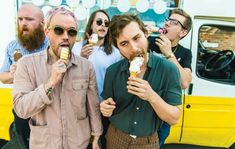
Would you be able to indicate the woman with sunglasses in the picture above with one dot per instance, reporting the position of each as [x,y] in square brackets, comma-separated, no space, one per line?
[102,54]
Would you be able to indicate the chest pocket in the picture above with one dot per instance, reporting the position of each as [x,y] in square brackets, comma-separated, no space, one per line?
[80,85]
[80,88]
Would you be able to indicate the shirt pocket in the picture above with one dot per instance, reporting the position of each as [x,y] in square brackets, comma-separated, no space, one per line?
[39,136]
[78,101]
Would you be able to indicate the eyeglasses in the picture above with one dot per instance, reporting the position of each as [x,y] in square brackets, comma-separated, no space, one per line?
[59,30]
[175,22]
[100,21]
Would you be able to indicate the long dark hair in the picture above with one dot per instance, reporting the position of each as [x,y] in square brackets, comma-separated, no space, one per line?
[106,44]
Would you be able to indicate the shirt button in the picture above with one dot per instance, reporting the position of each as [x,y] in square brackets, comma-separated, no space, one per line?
[135,123]
[137,108]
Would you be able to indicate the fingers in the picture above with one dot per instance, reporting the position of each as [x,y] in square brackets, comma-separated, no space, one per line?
[60,66]
[139,87]
[107,107]
[12,69]
[86,50]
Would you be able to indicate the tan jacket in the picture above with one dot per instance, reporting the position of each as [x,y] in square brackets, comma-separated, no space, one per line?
[71,114]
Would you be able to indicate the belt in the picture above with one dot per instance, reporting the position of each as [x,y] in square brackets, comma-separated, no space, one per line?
[133,136]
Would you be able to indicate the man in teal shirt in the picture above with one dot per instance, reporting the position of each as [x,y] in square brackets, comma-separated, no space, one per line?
[138,105]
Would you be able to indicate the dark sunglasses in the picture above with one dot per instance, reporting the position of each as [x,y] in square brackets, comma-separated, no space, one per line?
[100,21]
[59,30]
[175,22]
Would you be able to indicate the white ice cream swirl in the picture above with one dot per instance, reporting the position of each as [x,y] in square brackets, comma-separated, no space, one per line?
[135,64]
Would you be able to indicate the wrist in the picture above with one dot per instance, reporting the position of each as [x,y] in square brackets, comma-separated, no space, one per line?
[48,88]
[171,55]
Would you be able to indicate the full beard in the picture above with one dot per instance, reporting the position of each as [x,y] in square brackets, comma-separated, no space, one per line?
[33,39]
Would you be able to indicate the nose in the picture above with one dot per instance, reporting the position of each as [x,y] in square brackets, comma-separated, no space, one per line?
[133,47]
[23,22]
[65,35]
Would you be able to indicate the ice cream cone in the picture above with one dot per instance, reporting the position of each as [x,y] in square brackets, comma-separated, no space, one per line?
[64,54]
[133,74]
[17,55]
[93,39]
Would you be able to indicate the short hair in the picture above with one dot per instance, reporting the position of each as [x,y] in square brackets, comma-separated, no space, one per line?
[107,45]
[119,22]
[58,10]
[188,20]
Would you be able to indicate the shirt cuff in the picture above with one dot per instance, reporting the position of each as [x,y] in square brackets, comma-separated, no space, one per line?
[45,98]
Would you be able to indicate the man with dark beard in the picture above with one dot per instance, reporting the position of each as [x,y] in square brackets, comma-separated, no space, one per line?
[30,39]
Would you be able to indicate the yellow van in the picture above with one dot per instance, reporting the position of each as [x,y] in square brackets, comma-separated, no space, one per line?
[6,116]
[208,110]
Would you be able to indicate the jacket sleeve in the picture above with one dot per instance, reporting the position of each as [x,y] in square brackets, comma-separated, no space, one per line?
[93,104]
[28,99]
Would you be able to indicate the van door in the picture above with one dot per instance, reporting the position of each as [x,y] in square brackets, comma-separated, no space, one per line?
[209,107]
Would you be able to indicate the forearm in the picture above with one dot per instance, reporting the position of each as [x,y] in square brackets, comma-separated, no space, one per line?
[185,73]
[28,103]
[6,77]
[165,111]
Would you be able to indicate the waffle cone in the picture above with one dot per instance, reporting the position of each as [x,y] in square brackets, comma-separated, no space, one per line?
[133,74]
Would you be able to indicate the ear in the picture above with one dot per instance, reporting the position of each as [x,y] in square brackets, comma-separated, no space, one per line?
[183,33]
[46,31]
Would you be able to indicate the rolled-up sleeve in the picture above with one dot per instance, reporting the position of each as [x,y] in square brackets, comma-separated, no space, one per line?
[27,98]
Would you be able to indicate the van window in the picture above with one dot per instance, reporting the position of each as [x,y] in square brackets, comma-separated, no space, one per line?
[215,58]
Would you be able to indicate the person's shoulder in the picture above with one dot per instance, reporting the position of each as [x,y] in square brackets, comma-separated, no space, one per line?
[14,44]
[29,58]
[117,66]
[35,55]
[81,60]
[163,63]
[184,49]
[77,47]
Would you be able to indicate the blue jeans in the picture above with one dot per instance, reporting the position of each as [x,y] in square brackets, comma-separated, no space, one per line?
[163,133]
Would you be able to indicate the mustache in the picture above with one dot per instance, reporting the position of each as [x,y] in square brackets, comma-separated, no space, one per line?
[139,53]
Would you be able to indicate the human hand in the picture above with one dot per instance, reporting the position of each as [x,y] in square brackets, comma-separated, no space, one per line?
[95,144]
[107,107]
[140,88]
[57,71]
[164,44]
[86,50]
[13,69]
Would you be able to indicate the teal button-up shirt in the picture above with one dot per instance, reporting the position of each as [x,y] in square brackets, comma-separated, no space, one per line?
[133,115]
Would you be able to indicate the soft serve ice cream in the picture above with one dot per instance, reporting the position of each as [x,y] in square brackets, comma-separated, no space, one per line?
[93,39]
[135,65]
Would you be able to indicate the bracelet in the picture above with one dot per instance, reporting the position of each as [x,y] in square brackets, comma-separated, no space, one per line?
[49,90]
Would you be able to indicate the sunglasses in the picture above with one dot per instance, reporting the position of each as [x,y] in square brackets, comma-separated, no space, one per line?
[175,22]
[100,21]
[59,30]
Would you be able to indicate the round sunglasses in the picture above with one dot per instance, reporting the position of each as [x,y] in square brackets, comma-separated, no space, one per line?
[59,30]
[100,21]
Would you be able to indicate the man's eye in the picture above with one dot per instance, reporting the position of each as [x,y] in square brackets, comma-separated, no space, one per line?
[137,37]
[123,44]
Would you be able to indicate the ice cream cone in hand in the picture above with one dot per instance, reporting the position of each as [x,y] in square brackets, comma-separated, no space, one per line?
[135,65]
[64,54]
[17,55]
[93,39]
